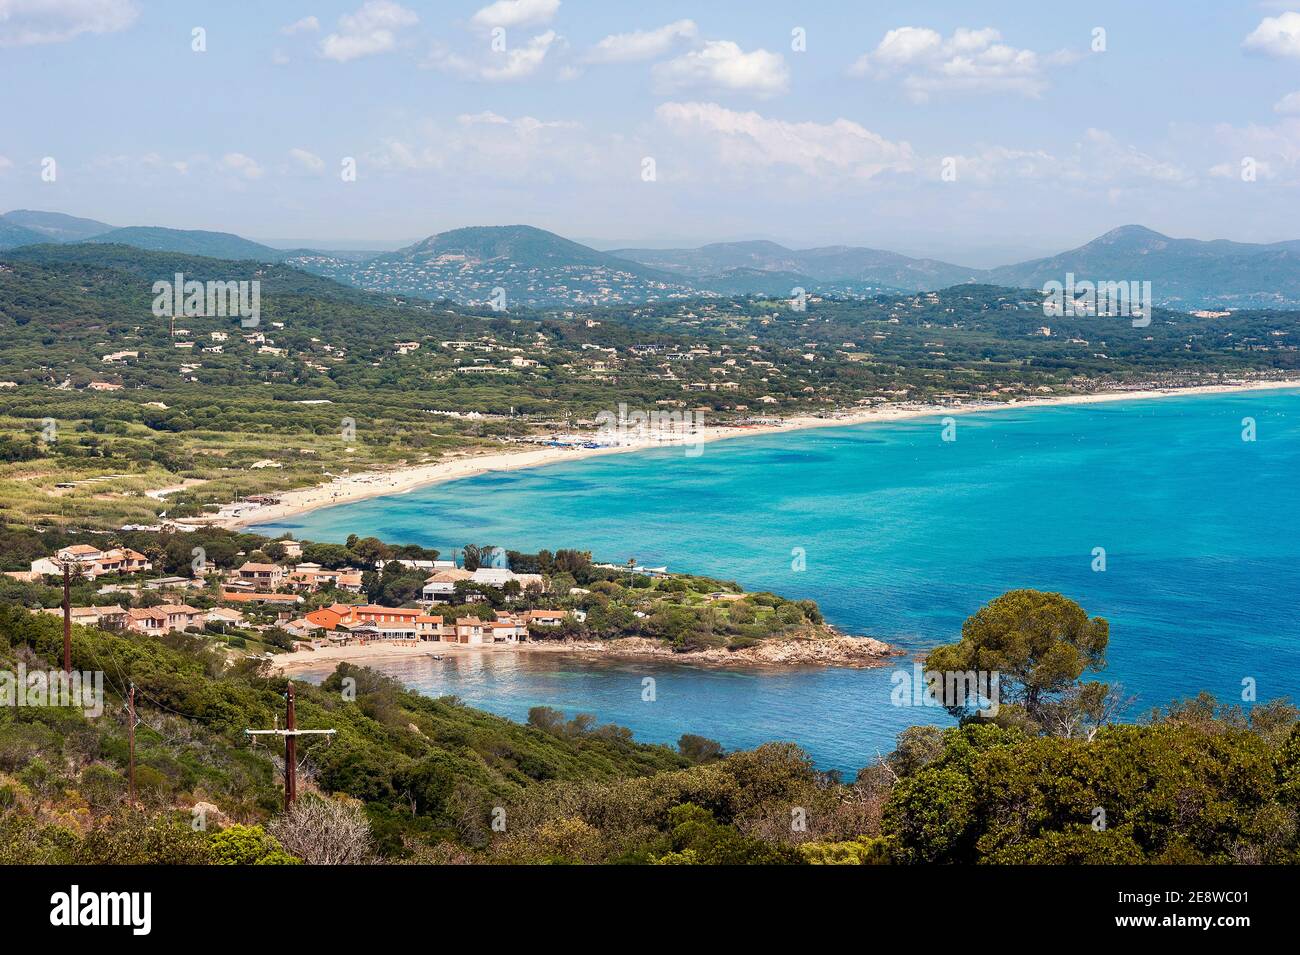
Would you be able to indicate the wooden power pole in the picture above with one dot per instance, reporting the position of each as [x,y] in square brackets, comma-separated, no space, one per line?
[290,734]
[67,621]
[130,706]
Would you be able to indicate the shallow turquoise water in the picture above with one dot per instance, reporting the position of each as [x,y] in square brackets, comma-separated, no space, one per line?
[905,535]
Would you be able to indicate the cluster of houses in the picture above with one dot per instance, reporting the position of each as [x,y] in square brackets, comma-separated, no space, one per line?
[153,621]
[281,587]
[363,623]
[441,587]
[258,578]
[91,562]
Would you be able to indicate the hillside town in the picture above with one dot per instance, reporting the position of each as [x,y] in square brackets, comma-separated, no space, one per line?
[263,596]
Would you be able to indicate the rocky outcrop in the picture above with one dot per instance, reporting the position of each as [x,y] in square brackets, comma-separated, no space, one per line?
[838,651]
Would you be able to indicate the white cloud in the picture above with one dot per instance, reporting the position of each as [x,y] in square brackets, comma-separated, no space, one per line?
[29,22]
[513,63]
[494,149]
[308,160]
[515,13]
[968,61]
[5,163]
[241,165]
[722,65]
[1102,156]
[841,148]
[1274,150]
[641,44]
[305,25]
[1288,104]
[368,31]
[1098,159]
[1276,36]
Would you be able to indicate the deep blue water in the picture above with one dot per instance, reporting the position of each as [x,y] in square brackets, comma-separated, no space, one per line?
[905,535]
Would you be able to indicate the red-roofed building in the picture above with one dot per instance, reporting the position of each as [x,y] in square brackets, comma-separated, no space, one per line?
[261,576]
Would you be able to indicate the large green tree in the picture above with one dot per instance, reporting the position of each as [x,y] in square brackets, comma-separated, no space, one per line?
[1038,643]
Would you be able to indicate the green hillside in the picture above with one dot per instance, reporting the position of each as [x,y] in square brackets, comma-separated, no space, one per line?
[219,245]
[56,226]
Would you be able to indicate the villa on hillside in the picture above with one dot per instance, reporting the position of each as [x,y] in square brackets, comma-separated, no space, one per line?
[165,618]
[499,577]
[91,562]
[149,621]
[260,576]
[226,617]
[442,585]
[312,577]
[106,618]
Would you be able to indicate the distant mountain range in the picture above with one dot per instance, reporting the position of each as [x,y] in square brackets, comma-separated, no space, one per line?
[27,227]
[54,226]
[537,268]
[836,263]
[1184,273]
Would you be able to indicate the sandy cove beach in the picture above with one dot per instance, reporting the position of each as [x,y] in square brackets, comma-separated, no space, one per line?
[835,651]
[356,487]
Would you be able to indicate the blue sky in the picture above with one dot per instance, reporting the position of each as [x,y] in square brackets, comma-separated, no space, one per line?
[1050,141]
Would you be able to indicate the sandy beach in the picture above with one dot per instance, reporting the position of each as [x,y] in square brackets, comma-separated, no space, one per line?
[356,487]
[363,655]
[834,650]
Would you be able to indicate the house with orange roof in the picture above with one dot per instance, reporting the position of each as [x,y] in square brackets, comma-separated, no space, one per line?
[471,631]
[91,562]
[442,585]
[349,580]
[371,621]
[147,621]
[312,577]
[326,618]
[181,616]
[261,576]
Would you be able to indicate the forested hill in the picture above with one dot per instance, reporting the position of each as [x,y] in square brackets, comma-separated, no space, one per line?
[222,245]
[150,403]
[132,269]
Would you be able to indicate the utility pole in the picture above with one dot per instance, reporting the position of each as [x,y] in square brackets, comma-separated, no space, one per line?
[67,621]
[290,754]
[130,706]
[290,734]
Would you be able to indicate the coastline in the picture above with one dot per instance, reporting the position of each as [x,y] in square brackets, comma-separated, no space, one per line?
[365,485]
[839,650]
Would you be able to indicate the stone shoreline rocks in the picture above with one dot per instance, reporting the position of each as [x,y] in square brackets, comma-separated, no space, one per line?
[840,651]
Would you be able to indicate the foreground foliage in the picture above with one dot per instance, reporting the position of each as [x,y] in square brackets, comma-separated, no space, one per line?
[421,780]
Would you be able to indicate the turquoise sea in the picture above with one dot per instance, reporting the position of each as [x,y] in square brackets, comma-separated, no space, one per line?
[904,535]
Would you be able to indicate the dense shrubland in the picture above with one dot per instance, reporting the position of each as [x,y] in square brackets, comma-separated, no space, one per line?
[423,780]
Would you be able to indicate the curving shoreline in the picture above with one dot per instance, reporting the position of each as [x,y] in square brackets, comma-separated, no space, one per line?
[827,651]
[358,487]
